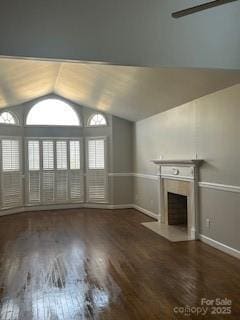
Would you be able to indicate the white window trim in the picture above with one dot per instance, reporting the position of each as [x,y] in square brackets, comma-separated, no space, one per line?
[15,117]
[80,118]
[50,126]
[96,126]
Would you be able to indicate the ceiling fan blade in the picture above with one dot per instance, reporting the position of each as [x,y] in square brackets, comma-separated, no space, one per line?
[201,7]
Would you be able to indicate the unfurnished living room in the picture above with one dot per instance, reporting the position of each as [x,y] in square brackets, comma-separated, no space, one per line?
[119,159]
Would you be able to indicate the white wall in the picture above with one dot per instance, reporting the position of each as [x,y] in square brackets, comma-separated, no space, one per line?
[208,127]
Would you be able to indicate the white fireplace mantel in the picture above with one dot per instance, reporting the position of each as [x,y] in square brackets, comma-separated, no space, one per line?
[195,162]
[179,176]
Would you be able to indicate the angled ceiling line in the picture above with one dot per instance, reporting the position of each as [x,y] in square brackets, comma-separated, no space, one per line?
[57,78]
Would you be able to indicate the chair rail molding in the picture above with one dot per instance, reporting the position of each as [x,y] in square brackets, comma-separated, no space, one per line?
[218,186]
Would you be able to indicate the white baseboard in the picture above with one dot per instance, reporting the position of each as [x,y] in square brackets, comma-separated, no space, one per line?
[121,206]
[220,246]
[78,206]
[145,211]
[7,212]
[65,206]
[40,208]
[53,207]
[107,206]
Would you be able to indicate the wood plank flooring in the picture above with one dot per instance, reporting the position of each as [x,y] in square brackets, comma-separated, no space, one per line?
[102,264]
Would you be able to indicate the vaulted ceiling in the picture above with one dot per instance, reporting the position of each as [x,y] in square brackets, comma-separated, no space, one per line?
[132,93]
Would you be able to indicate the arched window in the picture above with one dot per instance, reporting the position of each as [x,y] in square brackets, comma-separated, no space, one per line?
[97,120]
[52,112]
[8,118]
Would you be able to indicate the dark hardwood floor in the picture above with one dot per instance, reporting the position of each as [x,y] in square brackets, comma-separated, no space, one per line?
[101,264]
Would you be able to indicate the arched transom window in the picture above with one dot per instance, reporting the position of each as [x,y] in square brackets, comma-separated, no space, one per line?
[97,120]
[8,118]
[52,112]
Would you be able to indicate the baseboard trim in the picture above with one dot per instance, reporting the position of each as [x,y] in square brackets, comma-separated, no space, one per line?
[65,206]
[40,208]
[7,212]
[145,211]
[121,206]
[220,246]
[79,206]
[53,207]
[107,206]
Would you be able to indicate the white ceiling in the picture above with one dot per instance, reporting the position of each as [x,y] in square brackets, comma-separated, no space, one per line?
[132,93]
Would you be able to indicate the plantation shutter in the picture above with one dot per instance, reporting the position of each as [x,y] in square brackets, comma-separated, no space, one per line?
[75,163]
[76,178]
[48,155]
[96,170]
[61,149]
[48,174]
[55,173]
[11,173]
[34,175]
[61,183]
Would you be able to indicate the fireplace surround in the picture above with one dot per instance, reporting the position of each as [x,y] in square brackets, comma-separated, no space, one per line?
[178,195]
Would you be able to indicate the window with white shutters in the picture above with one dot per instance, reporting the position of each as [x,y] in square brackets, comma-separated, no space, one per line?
[48,174]
[74,154]
[54,171]
[61,183]
[33,155]
[61,186]
[33,176]
[10,155]
[96,170]
[96,158]
[11,184]
[76,177]
[48,155]
[61,149]
[34,187]
[48,187]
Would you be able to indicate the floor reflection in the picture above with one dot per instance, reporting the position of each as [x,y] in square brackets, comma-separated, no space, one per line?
[54,280]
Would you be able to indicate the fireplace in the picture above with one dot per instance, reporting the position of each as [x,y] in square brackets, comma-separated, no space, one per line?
[178,198]
[177,209]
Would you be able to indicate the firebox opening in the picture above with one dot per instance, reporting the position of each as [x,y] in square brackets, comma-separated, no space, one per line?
[177,209]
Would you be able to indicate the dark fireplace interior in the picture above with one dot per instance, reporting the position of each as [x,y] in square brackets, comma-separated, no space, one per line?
[177,209]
